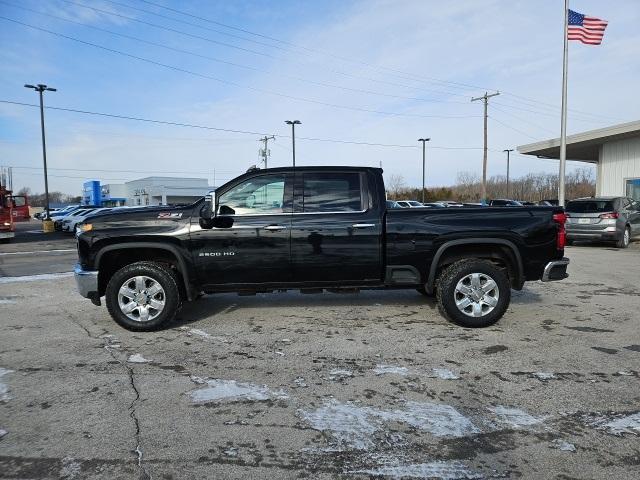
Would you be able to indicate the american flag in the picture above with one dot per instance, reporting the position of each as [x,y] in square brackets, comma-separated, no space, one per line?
[585,29]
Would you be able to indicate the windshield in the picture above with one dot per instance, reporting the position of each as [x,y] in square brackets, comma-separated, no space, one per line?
[590,206]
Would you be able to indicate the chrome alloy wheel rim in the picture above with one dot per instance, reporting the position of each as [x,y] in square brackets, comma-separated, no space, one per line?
[141,298]
[627,237]
[476,294]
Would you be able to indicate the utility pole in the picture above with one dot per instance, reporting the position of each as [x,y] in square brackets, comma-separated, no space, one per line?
[424,141]
[508,152]
[40,88]
[485,98]
[293,124]
[265,152]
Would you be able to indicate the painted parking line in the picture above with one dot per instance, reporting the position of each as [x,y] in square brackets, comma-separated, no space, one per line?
[35,278]
[60,250]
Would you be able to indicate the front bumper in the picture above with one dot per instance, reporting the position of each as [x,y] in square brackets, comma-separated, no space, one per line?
[555,270]
[7,235]
[87,283]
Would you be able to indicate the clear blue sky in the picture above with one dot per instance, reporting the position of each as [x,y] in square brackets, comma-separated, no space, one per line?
[372,71]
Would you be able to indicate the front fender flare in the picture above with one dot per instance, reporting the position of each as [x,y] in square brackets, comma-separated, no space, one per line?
[182,264]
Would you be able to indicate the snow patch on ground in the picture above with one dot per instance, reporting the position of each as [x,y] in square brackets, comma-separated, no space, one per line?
[70,468]
[3,432]
[439,420]
[35,278]
[300,382]
[438,469]
[350,426]
[6,301]
[514,417]
[445,374]
[617,424]
[340,373]
[230,390]
[543,375]
[383,369]
[202,334]
[4,388]
[563,445]
[137,358]
[353,426]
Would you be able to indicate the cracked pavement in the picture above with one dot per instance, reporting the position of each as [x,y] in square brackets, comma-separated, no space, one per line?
[376,384]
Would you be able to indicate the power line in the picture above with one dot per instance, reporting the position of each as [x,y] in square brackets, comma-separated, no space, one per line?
[235,84]
[519,98]
[191,125]
[406,75]
[234,64]
[255,52]
[512,128]
[123,171]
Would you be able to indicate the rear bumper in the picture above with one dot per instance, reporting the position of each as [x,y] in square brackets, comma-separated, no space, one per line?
[555,270]
[7,235]
[87,283]
[600,235]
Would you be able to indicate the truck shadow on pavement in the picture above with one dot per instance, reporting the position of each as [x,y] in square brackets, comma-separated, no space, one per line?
[215,304]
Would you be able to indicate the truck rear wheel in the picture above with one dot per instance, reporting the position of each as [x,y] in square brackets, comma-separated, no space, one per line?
[473,293]
[143,296]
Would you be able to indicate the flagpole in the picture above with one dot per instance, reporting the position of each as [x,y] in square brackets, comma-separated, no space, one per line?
[563,122]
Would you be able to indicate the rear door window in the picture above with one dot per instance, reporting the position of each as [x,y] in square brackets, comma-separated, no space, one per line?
[590,206]
[331,192]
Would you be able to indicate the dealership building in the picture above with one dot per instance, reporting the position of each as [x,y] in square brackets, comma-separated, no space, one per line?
[615,151]
[145,191]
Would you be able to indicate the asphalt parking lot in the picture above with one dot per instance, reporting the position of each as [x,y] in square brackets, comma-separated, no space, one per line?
[376,384]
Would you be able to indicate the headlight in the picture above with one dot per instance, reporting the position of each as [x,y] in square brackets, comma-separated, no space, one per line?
[85,227]
[7,224]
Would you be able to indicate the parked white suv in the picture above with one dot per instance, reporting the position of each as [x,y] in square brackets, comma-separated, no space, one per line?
[69,222]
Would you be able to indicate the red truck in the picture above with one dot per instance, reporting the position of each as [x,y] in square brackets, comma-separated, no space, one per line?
[7,226]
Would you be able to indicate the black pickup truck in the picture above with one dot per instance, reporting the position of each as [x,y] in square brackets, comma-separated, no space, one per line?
[314,228]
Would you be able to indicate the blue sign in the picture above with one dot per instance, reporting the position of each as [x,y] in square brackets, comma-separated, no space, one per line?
[91,193]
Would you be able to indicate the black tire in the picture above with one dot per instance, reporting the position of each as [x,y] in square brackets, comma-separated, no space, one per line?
[446,292]
[156,272]
[625,239]
[568,242]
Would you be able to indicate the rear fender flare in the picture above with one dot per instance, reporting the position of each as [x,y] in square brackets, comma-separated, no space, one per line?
[474,241]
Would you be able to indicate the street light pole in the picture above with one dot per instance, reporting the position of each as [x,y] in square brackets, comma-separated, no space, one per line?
[424,154]
[508,152]
[293,124]
[40,88]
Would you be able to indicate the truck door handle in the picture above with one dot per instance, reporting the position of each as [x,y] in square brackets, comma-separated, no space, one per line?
[363,225]
[275,228]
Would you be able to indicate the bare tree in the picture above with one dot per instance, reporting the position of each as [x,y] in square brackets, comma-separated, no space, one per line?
[395,185]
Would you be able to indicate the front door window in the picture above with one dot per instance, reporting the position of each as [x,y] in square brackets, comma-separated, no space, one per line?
[262,195]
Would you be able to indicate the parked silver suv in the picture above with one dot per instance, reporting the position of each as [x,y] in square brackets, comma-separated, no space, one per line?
[614,219]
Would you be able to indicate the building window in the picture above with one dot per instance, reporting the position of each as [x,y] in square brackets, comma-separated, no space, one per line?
[633,188]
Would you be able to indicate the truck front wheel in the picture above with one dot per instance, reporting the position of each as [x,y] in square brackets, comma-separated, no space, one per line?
[143,296]
[473,293]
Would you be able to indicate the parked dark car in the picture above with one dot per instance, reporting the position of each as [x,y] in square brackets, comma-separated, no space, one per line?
[314,228]
[609,219]
[503,202]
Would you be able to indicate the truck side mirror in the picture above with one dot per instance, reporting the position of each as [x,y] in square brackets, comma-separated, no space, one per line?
[208,209]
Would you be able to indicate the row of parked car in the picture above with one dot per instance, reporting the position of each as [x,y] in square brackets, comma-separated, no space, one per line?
[594,219]
[68,218]
[499,202]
